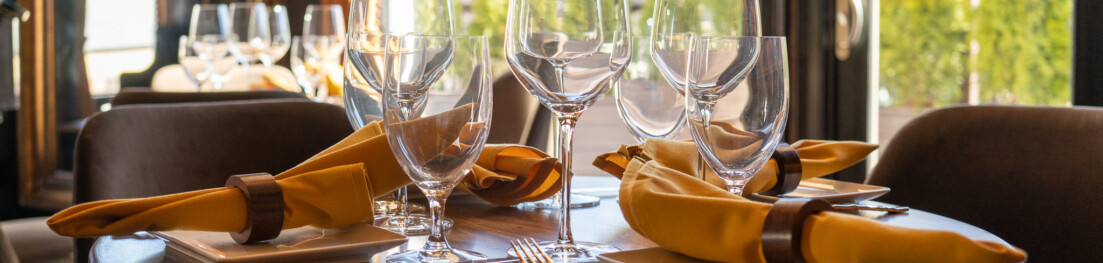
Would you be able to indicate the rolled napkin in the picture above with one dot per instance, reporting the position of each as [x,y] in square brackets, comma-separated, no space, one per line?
[686,215]
[331,189]
[817,158]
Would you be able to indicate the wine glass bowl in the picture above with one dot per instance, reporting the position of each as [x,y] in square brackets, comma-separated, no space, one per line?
[210,38]
[737,129]
[249,26]
[280,32]
[647,103]
[437,113]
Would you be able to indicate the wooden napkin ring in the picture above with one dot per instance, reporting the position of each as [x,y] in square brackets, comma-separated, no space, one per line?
[788,170]
[265,205]
[784,223]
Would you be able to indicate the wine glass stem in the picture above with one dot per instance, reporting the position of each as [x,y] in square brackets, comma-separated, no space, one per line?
[735,187]
[436,244]
[403,212]
[566,134]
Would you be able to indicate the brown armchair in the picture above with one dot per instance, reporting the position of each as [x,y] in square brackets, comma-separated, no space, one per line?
[1031,175]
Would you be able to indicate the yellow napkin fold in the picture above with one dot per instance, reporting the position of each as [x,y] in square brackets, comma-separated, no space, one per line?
[331,189]
[817,158]
[686,215]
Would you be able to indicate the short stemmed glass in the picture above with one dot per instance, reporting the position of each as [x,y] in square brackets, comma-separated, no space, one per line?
[647,103]
[676,22]
[568,54]
[194,67]
[249,23]
[210,37]
[437,103]
[737,123]
[280,32]
[362,89]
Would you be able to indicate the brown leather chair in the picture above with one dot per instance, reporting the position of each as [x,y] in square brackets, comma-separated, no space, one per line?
[128,96]
[1031,175]
[156,149]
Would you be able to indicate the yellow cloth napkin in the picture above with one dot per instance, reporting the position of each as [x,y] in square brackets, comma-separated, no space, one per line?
[686,215]
[331,189]
[817,158]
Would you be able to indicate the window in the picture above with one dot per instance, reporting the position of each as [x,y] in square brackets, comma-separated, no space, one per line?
[117,43]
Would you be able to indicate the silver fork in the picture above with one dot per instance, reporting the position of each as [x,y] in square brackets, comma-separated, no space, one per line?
[529,252]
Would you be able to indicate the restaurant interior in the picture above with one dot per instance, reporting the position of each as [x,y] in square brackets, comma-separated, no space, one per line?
[551,130]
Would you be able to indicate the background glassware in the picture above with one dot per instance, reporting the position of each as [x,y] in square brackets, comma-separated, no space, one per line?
[647,103]
[675,22]
[307,70]
[446,77]
[249,23]
[280,40]
[194,68]
[567,54]
[737,123]
[209,33]
[324,38]
[363,92]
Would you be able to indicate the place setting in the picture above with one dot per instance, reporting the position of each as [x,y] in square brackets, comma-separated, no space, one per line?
[709,178]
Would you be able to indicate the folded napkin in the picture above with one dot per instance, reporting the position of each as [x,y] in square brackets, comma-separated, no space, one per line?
[817,158]
[686,215]
[331,189]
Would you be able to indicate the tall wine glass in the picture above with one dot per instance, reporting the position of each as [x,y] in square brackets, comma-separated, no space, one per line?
[209,33]
[567,54]
[737,124]
[280,32]
[194,67]
[307,69]
[676,22]
[249,22]
[362,89]
[324,38]
[437,118]
[647,103]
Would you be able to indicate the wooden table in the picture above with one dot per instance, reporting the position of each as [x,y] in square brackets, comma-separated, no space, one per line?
[488,229]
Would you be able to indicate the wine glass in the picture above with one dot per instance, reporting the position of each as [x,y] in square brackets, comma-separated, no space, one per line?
[280,36]
[324,38]
[437,103]
[194,68]
[647,103]
[307,69]
[737,124]
[249,22]
[676,22]
[210,38]
[363,91]
[567,54]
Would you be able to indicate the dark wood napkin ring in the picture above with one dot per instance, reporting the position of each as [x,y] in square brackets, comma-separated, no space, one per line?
[265,205]
[788,170]
[784,223]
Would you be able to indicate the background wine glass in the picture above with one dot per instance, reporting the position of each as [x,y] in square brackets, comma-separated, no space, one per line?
[676,22]
[363,91]
[647,103]
[324,38]
[737,123]
[280,40]
[209,33]
[249,23]
[306,68]
[424,95]
[567,54]
[193,67]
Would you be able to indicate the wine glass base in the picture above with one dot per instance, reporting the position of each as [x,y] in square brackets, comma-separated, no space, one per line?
[577,201]
[412,224]
[451,255]
[578,252]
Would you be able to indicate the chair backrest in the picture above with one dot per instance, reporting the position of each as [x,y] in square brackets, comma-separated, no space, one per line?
[514,111]
[1031,175]
[156,149]
[7,253]
[130,96]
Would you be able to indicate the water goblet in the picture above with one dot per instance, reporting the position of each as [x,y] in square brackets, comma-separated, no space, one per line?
[648,104]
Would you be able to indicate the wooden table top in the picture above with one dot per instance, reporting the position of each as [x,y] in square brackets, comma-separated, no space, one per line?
[487,229]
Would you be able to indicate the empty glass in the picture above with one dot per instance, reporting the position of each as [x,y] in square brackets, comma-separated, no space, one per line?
[324,38]
[647,103]
[193,67]
[250,27]
[280,31]
[308,70]
[737,123]
[209,33]
[437,103]
[567,54]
